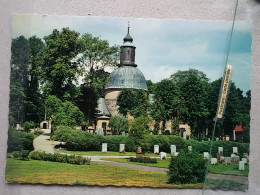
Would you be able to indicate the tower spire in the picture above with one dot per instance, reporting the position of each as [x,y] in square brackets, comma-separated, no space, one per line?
[128,38]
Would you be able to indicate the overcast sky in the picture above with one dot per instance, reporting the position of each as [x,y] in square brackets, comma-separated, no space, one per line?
[163,46]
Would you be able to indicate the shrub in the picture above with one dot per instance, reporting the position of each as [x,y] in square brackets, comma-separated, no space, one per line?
[143,159]
[28,125]
[63,158]
[18,140]
[187,167]
[61,133]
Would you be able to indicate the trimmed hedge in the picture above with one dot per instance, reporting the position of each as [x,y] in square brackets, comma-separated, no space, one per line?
[83,141]
[143,159]
[63,158]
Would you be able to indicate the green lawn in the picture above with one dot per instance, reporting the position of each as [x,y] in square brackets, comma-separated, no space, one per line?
[45,172]
[109,153]
[228,169]
[160,163]
[220,168]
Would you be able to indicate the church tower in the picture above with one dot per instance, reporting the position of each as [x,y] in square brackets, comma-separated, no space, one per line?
[127,75]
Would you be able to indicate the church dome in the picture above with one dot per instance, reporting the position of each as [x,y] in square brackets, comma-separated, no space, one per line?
[126,77]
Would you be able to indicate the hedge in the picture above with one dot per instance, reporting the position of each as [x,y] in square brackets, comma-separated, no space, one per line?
[83,141]
[63,158]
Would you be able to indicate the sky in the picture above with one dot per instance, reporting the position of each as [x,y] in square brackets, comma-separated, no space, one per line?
[163,46]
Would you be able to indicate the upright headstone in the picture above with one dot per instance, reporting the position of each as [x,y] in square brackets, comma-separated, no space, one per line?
[190,148]
[173,149]
[220,150]
[236,158]
[227,160]
[162,155]
[244,160]
[232,156]
[222,159]
[184,135]
[219,155]
[217,139]
[122,148]
[241,166]
[104,147]
[139,150]
[156,149]
[206,155]
[175,154]
[235,150]
[213,161]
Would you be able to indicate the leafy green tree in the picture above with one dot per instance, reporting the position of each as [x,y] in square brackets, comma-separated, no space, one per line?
[98,54]
[59,66]
[181,76]
[18,79]
[194,94]
[166,96]
[119,124]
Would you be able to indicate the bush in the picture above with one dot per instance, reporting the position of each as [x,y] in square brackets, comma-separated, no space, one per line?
[187,167]
[18,140]
[63,158]
[28,125]
[143,159]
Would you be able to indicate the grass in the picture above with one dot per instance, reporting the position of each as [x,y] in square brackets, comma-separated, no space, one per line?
[221,184]
[109,153]
[160,163]
[229,169]
[220,168]
[45,172]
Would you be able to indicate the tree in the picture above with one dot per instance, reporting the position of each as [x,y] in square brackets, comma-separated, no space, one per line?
[98,54]
[194,93]
[166,96]
[18,80]
[119,124]
[59,67]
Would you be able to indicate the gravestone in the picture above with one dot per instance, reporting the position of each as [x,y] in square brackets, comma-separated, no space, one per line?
[162,155]
[235,150]
[104,147]
[232,156]
[139,150]
[122,148]
[156,149]
[244,160]
[217,139]
[218,156]
[245,155]
[222,159]
[227,160]
[190,148]
[213,161]
[175,153]
[236,158]
[173,149]
[220,150]
[241,166]
[206,155]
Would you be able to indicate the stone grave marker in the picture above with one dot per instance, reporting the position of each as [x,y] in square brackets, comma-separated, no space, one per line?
[232,156]
[222,159]
[213,161]
[220,150]
[104,147]
[217,139]
[162,155]
[235,150]
[175,153]
[241,166]
[244,160]
[173,149]
[122,148]
[156,149]
[236,158]
[206,155]
[218,156]
[139,150]
[190,148]
[227,160]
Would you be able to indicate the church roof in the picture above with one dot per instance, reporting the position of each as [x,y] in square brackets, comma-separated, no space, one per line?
[127,77]
[102,108]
